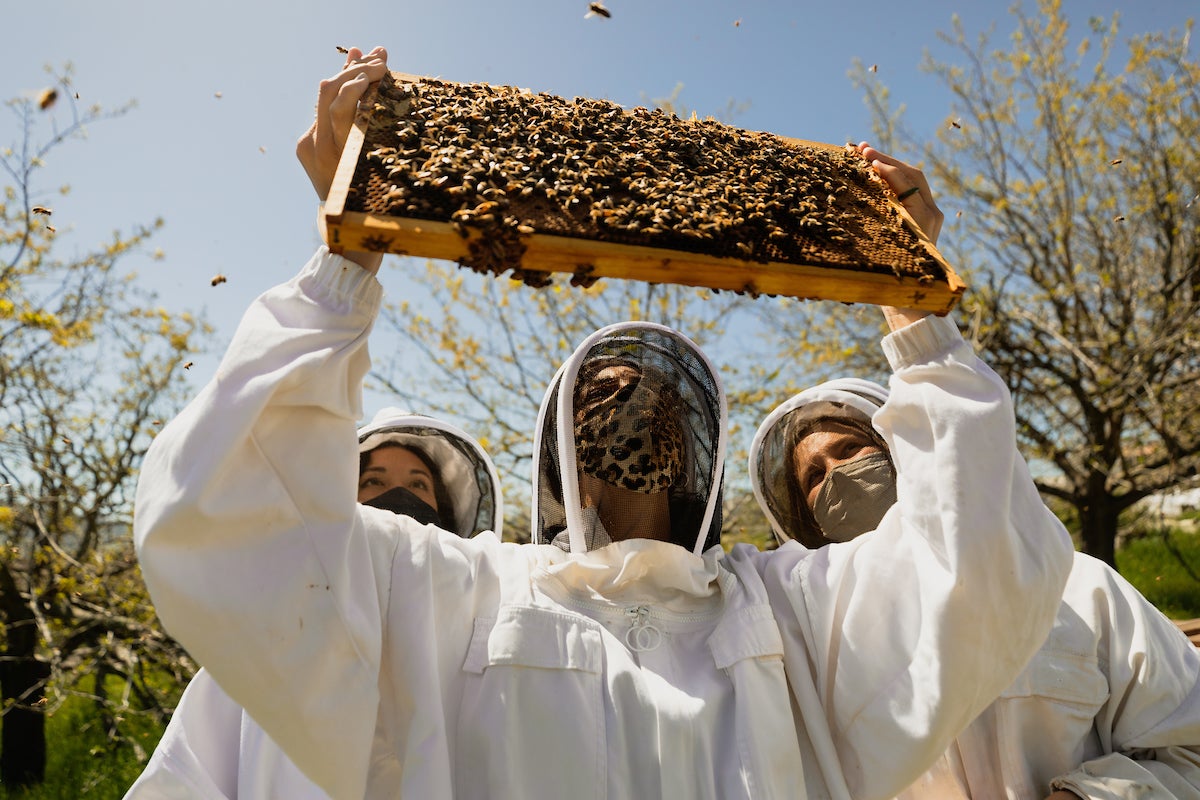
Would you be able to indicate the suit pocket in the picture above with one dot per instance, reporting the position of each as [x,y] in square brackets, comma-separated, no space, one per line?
[532,716]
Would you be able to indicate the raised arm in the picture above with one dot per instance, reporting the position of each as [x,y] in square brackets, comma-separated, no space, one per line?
[320,147]
[912,190]
[246,523]
[912,630]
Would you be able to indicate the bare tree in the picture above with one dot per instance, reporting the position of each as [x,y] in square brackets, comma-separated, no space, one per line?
[1070,175]
[87,368]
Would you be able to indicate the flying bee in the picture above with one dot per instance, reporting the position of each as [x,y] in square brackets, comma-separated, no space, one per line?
[52,229]
[188,364]
[217,95]
[955,124]
[47,98]
[1119,218]
[218,279]
[597,10]
[1116,161]
[342,50]
[41,210]
[874,68]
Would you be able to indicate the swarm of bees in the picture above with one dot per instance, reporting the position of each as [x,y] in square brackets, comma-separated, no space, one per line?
[509,163]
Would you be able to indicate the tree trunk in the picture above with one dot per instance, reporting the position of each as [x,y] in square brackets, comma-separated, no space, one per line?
[23,737]
[22,684]
[1098,518]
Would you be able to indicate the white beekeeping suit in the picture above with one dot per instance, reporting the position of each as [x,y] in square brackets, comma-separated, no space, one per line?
[388,659]
[212,748]
[1109,707]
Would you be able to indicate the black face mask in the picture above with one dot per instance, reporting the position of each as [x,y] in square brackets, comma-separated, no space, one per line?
[403,502]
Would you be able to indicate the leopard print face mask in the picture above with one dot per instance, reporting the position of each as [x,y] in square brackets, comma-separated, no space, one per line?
[628,429]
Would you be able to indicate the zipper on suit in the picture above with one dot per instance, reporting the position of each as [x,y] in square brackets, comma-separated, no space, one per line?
[642,635]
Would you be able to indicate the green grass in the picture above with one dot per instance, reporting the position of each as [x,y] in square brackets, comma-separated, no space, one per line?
[1165,567]
[81,762]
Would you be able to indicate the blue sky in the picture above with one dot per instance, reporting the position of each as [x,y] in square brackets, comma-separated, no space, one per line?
[222,173]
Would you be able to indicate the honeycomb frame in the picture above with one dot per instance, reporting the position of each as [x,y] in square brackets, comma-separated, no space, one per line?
[502,180]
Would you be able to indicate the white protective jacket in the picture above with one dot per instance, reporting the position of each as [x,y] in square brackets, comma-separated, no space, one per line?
[390,661]
[1109,708]
[212,749]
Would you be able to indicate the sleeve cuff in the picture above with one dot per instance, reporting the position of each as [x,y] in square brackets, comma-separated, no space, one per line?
[923,341]
[340,282]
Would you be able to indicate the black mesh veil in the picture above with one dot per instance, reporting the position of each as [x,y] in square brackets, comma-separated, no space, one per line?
[469,483]
[645,413]
[848,401]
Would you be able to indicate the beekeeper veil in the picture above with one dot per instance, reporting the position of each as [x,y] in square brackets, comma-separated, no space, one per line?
[868,485]
[639,409]
[467,487]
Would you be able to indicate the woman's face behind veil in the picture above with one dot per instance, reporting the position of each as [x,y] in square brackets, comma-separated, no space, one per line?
[637,412]
[388,467]
[628,427]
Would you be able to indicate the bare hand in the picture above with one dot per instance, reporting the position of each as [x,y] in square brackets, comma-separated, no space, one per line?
[902,178]
[320,148]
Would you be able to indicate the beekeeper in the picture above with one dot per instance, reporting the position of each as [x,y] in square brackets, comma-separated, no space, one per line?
[1109,707]
[430,470]
[624,654]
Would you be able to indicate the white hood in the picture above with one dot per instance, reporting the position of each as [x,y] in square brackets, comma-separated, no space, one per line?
[466,470]
[667,359]
[855,397]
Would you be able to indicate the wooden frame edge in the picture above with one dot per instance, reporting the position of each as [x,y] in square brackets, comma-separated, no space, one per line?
[591,258]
